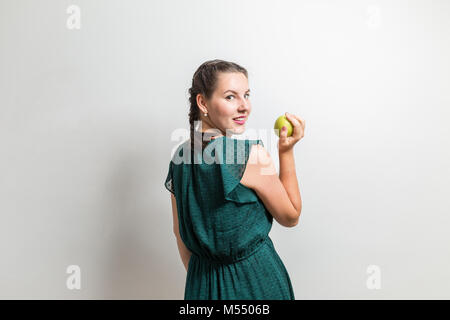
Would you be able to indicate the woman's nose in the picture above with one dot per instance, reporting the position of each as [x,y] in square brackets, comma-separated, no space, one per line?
[244,105]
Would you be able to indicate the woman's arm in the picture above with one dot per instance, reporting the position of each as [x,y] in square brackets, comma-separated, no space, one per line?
[275,192]
[286,144]
[185,254]
[288,178]
[279,193]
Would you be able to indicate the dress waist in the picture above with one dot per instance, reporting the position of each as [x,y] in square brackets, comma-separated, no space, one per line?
[223,259]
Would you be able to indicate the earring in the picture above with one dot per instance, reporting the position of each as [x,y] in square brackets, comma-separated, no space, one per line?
[205,114]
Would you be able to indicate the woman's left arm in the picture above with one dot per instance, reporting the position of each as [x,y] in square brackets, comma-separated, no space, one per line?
[185,254]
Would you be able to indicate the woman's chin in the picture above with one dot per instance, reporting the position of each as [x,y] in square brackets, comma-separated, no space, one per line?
[239,130]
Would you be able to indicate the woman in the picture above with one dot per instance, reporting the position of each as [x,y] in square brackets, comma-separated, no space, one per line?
[223,210]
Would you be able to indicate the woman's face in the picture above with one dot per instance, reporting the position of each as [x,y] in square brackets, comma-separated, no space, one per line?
[231,99]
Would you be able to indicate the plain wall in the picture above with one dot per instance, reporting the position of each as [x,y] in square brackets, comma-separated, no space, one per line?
[86,123]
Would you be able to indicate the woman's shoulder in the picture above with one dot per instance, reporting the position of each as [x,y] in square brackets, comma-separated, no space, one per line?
[219,147]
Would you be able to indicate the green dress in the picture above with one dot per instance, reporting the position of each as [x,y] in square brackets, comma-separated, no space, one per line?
[225,225]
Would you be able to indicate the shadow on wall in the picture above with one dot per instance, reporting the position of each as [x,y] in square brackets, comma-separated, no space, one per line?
[136,258]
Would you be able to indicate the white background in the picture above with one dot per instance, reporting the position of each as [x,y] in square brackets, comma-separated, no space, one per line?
[86,118]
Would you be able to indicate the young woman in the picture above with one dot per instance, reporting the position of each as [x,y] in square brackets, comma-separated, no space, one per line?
[223,210]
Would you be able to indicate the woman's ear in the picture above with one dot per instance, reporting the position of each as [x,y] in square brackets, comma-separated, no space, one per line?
[201,103]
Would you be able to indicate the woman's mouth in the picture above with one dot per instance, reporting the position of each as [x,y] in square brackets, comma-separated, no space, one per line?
[240,120]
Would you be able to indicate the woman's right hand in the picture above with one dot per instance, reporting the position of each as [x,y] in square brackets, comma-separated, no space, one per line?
[286,143]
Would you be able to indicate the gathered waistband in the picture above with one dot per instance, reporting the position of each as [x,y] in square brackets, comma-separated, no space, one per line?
[230,259]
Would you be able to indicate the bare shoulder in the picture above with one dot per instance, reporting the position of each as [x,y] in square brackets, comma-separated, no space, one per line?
[261,175]
[260,167]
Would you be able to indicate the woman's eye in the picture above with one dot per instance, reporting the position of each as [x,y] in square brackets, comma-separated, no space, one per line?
[233,95]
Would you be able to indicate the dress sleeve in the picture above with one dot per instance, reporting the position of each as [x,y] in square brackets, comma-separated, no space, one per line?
[169,180]
[232,173]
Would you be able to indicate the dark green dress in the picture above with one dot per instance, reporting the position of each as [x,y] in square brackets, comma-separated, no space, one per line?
[225,225]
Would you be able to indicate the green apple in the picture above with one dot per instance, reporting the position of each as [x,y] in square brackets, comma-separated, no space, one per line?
[280,122]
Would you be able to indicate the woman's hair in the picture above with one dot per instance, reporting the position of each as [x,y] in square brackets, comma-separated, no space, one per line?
[204,82]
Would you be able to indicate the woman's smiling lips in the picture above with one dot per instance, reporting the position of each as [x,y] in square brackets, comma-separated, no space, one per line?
[240,120]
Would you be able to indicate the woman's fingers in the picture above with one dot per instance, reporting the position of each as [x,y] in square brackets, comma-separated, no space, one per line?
[283,132]
[292,119]
[299,119]
[295,122]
